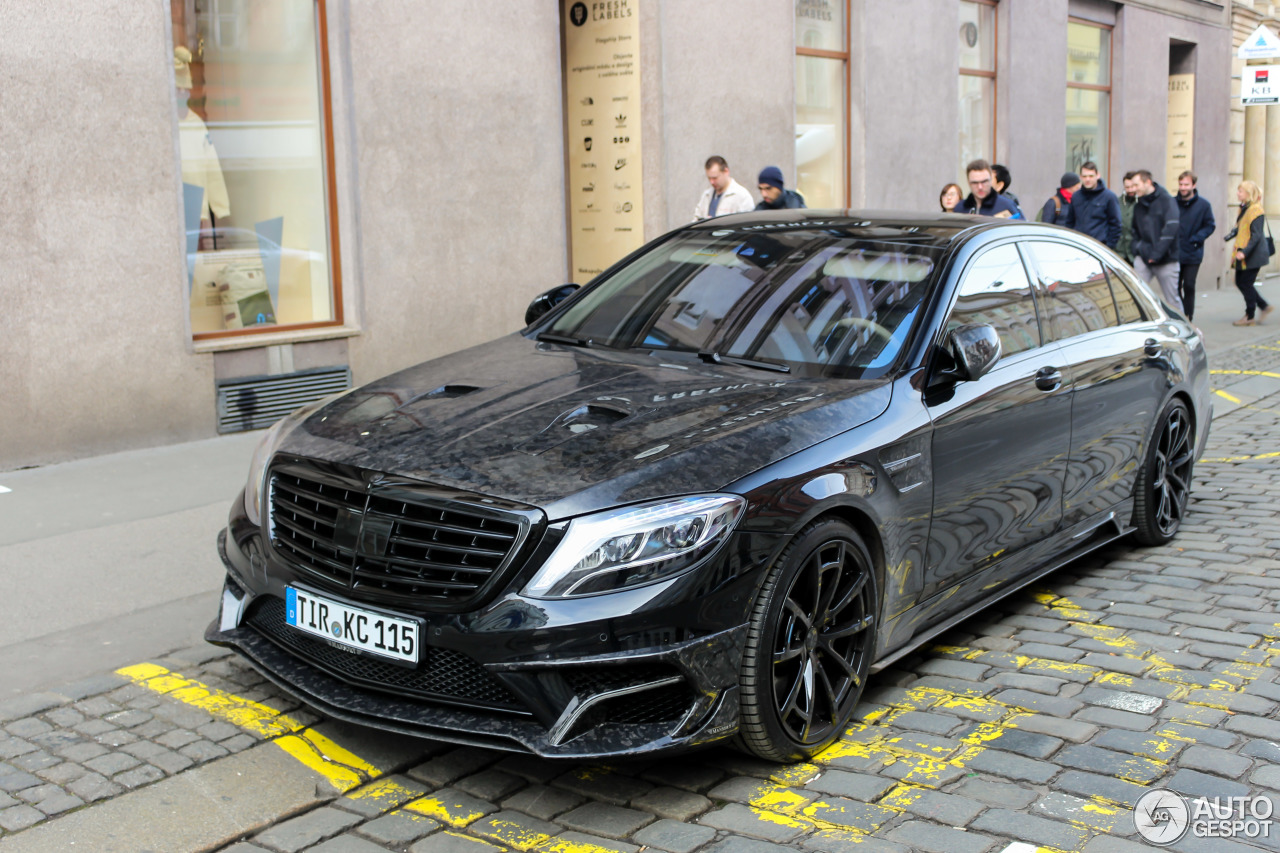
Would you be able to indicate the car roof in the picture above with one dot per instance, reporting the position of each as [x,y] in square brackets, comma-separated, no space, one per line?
[936,229]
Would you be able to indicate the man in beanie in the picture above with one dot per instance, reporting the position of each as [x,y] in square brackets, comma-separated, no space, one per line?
[724,196]
[1055,210]
[773,195]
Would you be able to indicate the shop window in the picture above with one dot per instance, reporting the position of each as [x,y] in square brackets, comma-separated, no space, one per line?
[822,75]
[257,181]
[1088,96]
[977,82]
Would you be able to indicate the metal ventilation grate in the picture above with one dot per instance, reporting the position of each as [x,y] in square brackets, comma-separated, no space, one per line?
[259,401]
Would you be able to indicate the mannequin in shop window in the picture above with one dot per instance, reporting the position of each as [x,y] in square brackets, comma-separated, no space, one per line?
[203,185]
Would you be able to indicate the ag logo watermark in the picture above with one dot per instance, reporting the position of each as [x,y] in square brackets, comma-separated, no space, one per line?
[1163,817]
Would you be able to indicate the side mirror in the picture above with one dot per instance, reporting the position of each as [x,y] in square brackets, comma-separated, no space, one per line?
[546,301]
[975,348]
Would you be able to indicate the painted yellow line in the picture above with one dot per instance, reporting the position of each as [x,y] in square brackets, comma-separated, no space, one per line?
[1272,455]
[1245,373]
[1224,395]
[342,768]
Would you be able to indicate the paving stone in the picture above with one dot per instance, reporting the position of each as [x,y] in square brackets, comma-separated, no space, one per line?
[1255,727]
[543,802]
[59,802]
[116,738]
[17,780]
[1025,743]
[381,796]
[614,788]
[1111,844]
[64,716]
[1000,763]
[1148,745]
[1072,730]
[857,786]
[93,787]
[62,774]
[202,751]
[96,706]
[1219,762]
[20,817]
[850,814]
[1052,705]
[300,832]
[584,841]
[674,836]
[923,721]
[129,718]
[239,742]
[674,803]
[965,670]
[606,820]
[11,747]
[80,752]
[502,827]
[1197,715]
[686,775]
[740,819]
[347,843]
[1267,776]
[1238,703]
[1202,735]
[952,809]
[1196,784]
[92,686]
[398,828]
[1095,760]
[177,738]
[1135,703]
[217,731]
[932,838]
[35,761]
[28,727]
[93,727]
[450,766]
[139,776]
[994,793]
[1109,718]
[1266,750]
[490,784]
[1025,827]
[1026,681]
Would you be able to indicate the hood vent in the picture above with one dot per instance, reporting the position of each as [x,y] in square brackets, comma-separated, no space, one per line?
[447,391]
[259,401]
[577,421]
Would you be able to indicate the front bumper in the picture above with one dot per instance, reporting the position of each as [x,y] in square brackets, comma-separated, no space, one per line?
[568,696]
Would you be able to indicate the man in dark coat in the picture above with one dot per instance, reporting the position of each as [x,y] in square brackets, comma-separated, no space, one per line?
[1058,207]
[1155,237]
[1195,224]
[1128,202]
[983,199]
[772,194]
[1094,209]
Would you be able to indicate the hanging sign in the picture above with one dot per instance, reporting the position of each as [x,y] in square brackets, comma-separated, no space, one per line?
[1260,84]
[1261,44]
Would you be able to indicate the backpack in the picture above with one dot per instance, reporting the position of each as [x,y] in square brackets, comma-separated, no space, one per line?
[1057,210]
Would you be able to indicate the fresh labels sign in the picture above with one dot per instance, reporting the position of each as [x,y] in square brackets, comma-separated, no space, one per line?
[602,80]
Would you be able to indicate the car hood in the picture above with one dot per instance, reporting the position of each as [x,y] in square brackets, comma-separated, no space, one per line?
[573,429]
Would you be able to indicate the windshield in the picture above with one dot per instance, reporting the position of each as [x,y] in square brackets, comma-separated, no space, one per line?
[826,301]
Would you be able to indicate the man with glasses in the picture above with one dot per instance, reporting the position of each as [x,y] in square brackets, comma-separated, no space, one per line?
[983,199]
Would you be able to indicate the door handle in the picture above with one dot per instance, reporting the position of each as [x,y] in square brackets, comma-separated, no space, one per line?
[1048,379]
[1152,347]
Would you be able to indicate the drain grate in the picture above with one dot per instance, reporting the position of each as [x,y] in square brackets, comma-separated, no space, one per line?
[259,401]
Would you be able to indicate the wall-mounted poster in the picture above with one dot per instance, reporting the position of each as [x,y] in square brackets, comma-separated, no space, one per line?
[602,80]
[1181,127]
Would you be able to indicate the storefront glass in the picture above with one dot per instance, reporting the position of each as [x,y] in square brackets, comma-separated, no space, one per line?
[1088,96]
[820,143]
[255,184]
[977,83]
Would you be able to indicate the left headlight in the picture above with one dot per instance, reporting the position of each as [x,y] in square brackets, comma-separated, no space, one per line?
[254,488]
[635,545]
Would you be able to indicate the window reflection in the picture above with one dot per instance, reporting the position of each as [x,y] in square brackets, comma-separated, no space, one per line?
[255,187]
[996,291]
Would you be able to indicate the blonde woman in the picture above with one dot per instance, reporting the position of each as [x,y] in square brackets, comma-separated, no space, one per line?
[1250,251]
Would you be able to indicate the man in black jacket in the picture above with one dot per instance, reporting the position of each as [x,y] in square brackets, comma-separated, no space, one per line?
[1195,224]
[1094,209]
[773,195]
[1057,208]
[1155,237]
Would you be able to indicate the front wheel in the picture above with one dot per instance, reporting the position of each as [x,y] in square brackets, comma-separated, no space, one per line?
[809,644]
[1164,482]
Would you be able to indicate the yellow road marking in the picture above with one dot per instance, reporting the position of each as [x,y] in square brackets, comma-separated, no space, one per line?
[1272,455]
[1245,373]
[1224,395]
[342,768]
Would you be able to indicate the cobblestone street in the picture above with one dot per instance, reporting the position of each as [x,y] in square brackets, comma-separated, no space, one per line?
[1036,725]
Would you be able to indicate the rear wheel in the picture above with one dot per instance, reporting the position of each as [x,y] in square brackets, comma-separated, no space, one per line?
[1164,483]
[809,644]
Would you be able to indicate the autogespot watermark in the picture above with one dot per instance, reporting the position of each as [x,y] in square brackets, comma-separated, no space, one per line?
[1163,817]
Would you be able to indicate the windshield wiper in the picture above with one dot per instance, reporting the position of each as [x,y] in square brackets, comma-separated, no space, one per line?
[717,358]
[552,338]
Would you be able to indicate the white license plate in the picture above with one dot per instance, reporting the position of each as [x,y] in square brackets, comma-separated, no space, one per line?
[367,630]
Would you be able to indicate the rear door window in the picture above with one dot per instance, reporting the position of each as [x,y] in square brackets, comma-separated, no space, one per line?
[1077,295]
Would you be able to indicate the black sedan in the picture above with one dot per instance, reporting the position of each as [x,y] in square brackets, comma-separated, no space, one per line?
[706,495]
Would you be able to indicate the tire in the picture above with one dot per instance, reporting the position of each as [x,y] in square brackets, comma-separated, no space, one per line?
[1164,482]
[809,644]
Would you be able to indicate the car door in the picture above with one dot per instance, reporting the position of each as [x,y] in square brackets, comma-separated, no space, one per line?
[1000,443]
[1119,373]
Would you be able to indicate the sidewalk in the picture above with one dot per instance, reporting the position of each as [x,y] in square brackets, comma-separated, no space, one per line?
[111,560]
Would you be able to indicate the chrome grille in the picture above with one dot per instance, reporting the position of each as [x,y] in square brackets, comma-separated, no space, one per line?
[395,541]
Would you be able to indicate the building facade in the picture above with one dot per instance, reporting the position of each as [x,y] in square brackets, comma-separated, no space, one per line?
[1254,130]
[216,209]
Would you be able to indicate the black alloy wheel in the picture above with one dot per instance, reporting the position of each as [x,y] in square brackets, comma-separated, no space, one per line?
[809,644]
[1164,483]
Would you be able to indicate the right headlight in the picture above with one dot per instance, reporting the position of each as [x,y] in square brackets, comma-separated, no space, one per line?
[635,545]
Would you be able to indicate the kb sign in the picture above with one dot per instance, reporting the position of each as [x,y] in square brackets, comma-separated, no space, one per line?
[1260,84]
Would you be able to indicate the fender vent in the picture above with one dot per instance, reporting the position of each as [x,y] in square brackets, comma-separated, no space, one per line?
[259,401]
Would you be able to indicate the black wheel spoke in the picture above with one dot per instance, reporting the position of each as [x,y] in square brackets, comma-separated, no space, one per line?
[852,592]
[857,626]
